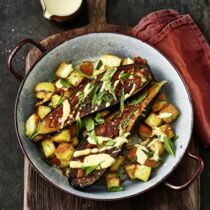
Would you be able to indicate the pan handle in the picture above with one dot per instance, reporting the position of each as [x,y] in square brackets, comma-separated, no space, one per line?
[14,52]
[192,178]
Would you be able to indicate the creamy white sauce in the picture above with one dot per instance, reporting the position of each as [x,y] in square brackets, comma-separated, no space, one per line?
[66,112]
[118,141]
[127,61]
[60,7]
[116,83]
[131,92]
[140,154]
[158,132]
[85,152]
[87,90]
[164,115]
[58,84]
[107,104]
[102,160]
[76,164]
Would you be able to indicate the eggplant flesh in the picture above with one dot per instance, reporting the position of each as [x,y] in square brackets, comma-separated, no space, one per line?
[110,128]
[132,84]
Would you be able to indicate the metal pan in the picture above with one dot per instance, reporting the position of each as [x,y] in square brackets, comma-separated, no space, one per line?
[91,46]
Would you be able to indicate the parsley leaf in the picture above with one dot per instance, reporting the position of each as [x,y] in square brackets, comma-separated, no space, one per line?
[93,136]
[81,97]
[53,78]
[90,169]
[123,76]
[99,119]
[99,64]
[78,125]
[110,143]
[89,124]
[169,146]
[65,83]
[174,138]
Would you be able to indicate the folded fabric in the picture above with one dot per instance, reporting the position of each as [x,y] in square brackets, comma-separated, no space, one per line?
[179,38]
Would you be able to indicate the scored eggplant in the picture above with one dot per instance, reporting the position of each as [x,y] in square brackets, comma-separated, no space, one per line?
[101,145]
[98,94]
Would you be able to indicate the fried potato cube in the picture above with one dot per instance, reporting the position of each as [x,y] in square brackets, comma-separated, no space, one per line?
[142,172]
[48,148]
[145,131]
[64,151]
[117,163]
[167,130]
[44,87]
[42,111]
[130,169]
[112,180]
[153,120]
[62,136]
[75,78]
[160,103]
[64,70]
[31,124]
[172,110]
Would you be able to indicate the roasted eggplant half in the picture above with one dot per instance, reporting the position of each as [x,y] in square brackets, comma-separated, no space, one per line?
[104,91]
[102,144]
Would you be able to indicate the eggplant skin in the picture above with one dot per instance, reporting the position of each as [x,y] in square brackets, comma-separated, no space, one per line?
[110,129]
[51,122]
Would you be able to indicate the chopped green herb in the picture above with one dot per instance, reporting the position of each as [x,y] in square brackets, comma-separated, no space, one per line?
[150,153]
[97,98]
[78,125]
[124,123]
[123,76]
[94,90]
[111,89]
[98,119]
[121,132]
[110,143]
[65,83]
[99,65]
[122,99]
[90,169]
[115,189]
[108,74]
[93,136]
[60,101]
[174,138]
[89,124]
[53,78]
[134,159]
[106,98]
[81,97]
[169,146]
[139,99]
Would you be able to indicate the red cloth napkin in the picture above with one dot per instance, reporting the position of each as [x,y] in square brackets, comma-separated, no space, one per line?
[179,38]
